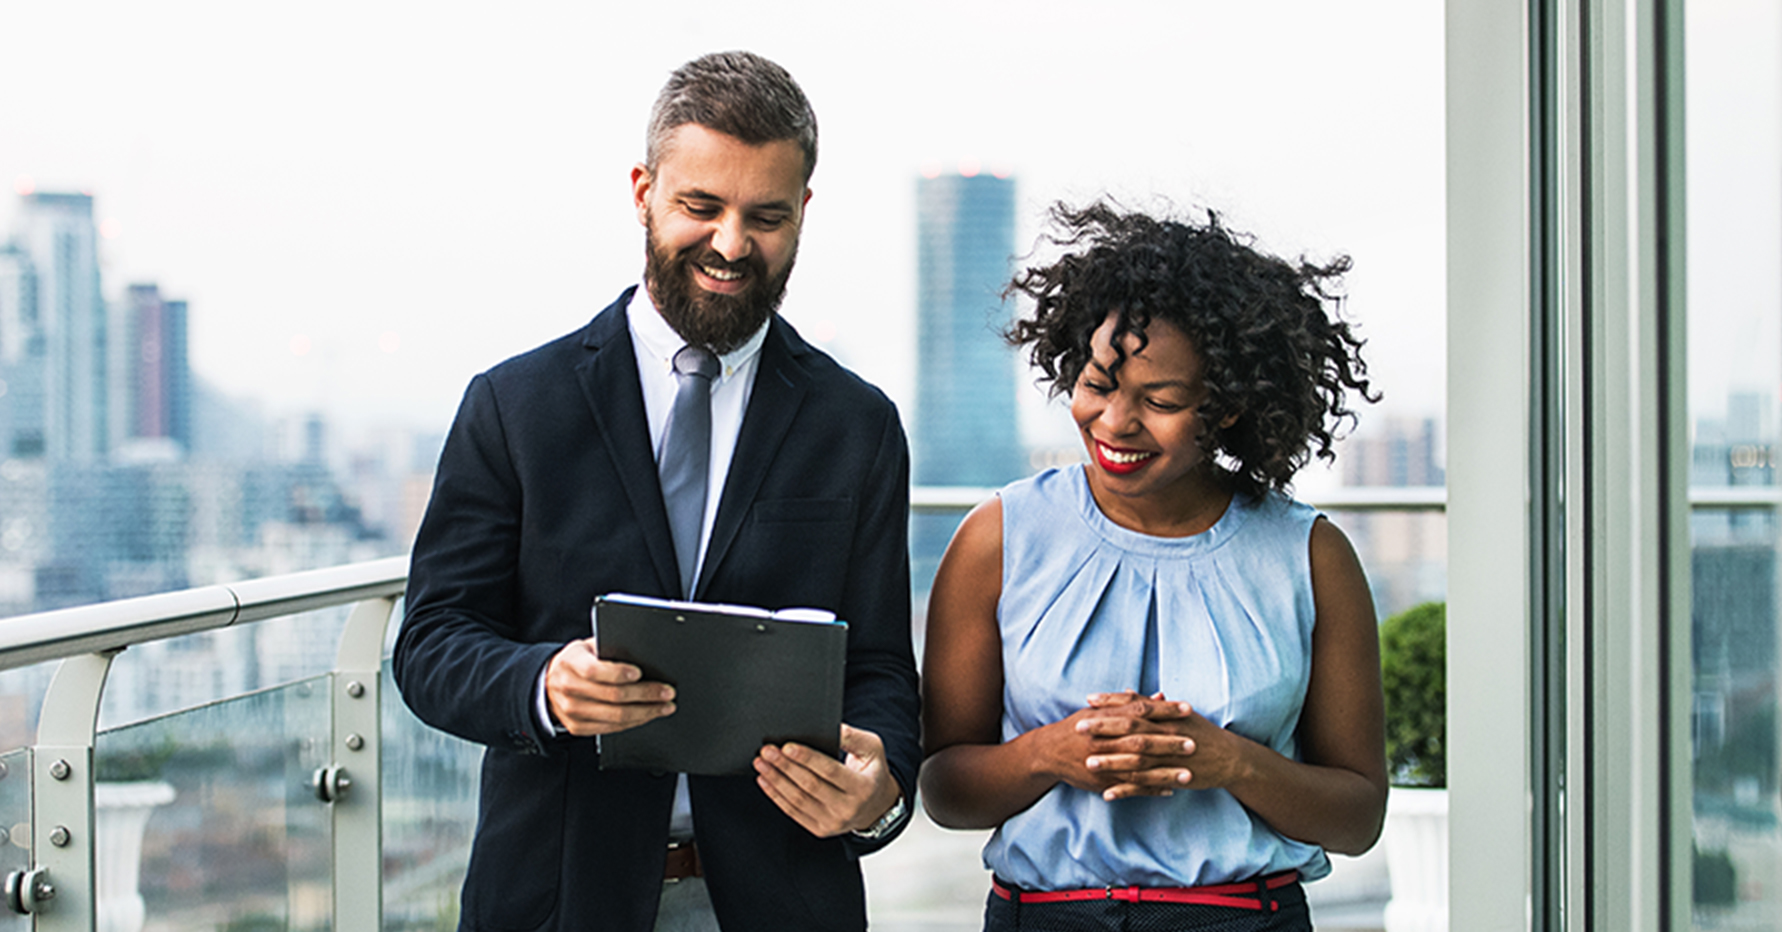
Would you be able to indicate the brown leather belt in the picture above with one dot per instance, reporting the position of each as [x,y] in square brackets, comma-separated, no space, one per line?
[683,862]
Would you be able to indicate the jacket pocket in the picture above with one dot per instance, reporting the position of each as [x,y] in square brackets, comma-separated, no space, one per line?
[517,859]
[794,551]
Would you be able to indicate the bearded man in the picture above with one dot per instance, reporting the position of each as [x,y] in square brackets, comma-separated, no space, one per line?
[560,482]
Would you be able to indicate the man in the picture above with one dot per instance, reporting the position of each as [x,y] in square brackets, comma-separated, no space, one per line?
[548,494]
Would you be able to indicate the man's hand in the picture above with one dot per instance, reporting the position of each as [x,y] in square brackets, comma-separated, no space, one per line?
[826,796]
[590,696]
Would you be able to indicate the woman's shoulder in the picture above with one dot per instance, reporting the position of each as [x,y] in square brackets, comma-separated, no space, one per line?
[1059,487]
[1274,508]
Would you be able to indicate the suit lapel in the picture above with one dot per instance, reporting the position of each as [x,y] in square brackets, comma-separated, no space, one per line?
[608,376]
[780,386]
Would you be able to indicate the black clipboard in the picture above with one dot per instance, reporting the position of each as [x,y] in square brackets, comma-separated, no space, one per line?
[743,677]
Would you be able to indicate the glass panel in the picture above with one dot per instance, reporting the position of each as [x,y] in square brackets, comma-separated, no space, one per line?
[216,804]
[1734,144]
[430,793]
[15,826]
[21,701]
[183,672]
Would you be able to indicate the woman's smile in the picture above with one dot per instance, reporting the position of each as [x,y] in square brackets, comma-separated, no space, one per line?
[1121,461]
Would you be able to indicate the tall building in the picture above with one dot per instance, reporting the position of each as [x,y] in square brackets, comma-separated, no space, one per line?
[21,358]
[57,239]
[156,369]
[965,430]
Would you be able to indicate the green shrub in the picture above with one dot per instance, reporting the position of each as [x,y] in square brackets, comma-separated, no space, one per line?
[1413,671]
[1716,882]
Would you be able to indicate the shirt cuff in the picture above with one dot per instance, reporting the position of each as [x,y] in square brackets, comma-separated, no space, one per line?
[541,707]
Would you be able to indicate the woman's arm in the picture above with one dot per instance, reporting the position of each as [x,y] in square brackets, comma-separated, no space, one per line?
[1336,798]
[970,778]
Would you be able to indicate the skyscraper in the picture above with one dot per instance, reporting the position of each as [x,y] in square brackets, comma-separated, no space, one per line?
[21,358]
[966,430]
[57,238]
[159,377]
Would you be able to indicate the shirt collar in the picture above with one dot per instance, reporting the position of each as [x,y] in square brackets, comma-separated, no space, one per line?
[657,342]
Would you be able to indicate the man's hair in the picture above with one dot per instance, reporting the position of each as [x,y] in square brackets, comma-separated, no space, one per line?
[1272,347]
[738,94]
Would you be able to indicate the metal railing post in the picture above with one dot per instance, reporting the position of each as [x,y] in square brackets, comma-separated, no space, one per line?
[58,892]
[352,784]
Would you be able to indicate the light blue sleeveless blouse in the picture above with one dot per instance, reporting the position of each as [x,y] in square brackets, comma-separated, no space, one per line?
[1222,619]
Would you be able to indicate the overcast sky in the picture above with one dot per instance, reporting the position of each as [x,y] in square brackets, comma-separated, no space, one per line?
[367,203]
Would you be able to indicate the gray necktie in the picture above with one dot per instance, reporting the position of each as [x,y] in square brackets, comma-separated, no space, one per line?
[686,457]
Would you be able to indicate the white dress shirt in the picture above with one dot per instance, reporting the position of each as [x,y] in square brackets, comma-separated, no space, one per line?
[654,343]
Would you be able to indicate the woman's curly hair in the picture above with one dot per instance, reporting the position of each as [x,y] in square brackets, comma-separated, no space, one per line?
[1273,350]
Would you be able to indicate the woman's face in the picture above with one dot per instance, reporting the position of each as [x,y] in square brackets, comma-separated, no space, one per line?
[1142,435]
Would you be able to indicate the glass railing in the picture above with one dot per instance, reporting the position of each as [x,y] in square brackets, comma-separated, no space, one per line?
[237,843]
[255,810]
[320,802]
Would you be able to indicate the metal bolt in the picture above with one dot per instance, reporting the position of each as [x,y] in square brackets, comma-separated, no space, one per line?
[5,836]
[354,742]
[60,770]
[356,689]
[2,770]
[60,837]
[29,892]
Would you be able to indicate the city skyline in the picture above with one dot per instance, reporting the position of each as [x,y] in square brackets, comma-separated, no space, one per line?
[362,219]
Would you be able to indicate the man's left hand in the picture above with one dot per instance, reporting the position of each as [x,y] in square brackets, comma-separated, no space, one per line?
[826,796]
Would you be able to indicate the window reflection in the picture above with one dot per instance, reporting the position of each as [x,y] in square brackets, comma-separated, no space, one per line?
[1734,145]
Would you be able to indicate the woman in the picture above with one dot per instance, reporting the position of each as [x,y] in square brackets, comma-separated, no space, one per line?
[1155,674]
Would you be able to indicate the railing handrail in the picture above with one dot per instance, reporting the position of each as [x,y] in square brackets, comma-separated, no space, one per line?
[1735,496]
[67,632]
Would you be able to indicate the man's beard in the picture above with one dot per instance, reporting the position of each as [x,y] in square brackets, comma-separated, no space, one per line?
[716,322]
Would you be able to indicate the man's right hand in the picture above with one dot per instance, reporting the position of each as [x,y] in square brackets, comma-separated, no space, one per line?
[590,696]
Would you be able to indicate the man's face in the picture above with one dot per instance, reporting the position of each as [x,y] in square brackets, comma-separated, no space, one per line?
[722,219]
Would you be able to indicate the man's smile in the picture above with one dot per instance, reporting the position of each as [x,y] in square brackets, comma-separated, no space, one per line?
[715,275]
[723,275]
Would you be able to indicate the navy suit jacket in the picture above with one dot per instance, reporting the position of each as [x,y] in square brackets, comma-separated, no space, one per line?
[546,497]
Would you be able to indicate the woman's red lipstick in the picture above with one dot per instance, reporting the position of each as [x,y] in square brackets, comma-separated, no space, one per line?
[1121,462]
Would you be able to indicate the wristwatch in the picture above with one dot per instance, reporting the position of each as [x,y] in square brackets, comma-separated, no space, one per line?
[886,822]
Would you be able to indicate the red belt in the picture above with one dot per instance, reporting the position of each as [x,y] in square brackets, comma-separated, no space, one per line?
[1249,894]
[683,862]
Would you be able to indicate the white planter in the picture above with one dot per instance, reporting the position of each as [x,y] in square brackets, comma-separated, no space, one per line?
[1417,859]
[120,814]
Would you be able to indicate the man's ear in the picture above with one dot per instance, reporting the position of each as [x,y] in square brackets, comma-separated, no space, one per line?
[1229,420]
[641,182]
